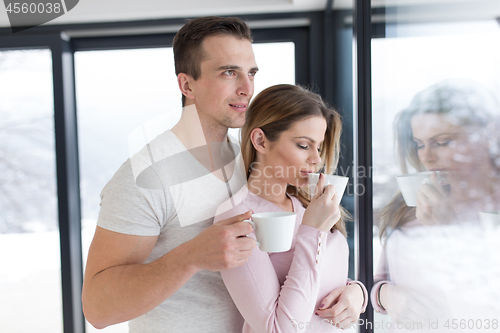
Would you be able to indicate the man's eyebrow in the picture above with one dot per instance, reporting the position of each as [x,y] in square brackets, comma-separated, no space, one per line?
[229,67]
[236,68]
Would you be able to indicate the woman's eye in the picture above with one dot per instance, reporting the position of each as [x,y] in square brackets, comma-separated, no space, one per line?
[302,147]
[417,146]
[443,143]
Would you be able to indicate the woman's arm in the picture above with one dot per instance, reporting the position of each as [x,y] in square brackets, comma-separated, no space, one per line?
[264,303]
[343,305]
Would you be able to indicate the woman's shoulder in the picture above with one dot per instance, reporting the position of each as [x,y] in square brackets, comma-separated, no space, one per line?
[298,207]
[237,204]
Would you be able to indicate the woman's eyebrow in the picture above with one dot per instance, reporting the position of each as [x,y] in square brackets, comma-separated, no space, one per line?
[307,138]
[435,136]
[438,135]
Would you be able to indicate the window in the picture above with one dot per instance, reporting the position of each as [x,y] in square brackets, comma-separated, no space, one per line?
[30,277]
[425,260]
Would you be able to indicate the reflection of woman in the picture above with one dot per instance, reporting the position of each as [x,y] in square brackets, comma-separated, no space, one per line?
[288,133]
[447,127]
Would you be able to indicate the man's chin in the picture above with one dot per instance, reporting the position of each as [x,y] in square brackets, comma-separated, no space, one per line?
[236,124]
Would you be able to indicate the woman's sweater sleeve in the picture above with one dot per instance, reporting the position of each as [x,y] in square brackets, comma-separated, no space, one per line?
[256,290]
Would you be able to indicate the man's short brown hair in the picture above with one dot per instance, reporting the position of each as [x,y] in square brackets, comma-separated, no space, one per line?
[188,51]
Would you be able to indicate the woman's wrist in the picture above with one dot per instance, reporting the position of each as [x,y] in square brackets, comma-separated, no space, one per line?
[361,287]
[379,300]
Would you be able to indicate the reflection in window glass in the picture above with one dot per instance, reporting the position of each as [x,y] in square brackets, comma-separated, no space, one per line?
[119,90]
[441,90]
[30,273]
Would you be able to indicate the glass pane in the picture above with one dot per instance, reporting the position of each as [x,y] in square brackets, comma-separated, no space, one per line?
[121,89]
[30,273]
[435,90]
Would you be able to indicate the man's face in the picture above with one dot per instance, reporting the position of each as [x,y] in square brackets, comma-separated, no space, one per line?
[225,87]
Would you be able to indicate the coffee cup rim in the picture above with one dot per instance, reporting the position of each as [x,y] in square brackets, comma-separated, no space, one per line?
[422,173]
[316,174]
[273,214]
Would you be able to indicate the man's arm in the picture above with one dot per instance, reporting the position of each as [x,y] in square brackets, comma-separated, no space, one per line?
[118,286]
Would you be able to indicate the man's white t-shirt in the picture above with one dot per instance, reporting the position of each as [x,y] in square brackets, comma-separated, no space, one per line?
[164,191]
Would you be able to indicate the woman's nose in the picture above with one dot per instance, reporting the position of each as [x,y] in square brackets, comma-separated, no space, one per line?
[315,158]
[427,154]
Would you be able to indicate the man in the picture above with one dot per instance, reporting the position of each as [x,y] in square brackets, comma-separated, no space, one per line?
[155,256]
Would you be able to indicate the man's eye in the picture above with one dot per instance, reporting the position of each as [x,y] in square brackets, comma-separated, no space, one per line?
[252,73]
[229,72]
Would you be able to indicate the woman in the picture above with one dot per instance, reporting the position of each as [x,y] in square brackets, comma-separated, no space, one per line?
[288,133]
[447,127]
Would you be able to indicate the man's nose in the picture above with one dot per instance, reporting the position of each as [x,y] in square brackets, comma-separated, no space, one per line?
[245,87]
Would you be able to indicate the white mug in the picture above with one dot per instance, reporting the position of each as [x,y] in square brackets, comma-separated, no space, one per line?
[490,220]
[339,182]
[274,230]
[409,184]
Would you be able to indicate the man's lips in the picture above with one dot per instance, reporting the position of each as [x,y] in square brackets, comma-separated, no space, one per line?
[241,107]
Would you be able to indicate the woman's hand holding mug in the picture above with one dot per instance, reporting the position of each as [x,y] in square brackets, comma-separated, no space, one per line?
[434,206]
[323,212]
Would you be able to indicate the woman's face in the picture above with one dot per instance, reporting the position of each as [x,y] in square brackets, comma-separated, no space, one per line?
[296,153]
[443,146]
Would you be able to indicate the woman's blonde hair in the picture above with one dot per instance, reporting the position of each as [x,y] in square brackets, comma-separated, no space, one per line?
[275,110]
[463,102]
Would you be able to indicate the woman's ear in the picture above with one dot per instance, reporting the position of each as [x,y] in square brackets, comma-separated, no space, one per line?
[259,140]
[184,81]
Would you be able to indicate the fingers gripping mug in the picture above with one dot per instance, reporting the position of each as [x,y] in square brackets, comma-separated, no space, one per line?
[339,182]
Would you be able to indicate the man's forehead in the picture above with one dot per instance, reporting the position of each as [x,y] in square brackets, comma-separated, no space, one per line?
[225,50]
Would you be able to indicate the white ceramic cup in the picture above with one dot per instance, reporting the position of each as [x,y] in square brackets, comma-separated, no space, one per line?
[490,220]
[409,184]
[339,182]
[274,230]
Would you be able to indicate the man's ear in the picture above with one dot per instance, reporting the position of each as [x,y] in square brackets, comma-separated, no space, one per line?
[184,81]
[259,140]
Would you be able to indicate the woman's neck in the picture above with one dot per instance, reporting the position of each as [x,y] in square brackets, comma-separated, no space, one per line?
[263,184]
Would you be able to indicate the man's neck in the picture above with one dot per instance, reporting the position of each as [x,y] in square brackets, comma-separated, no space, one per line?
[194,131]
[213,149]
